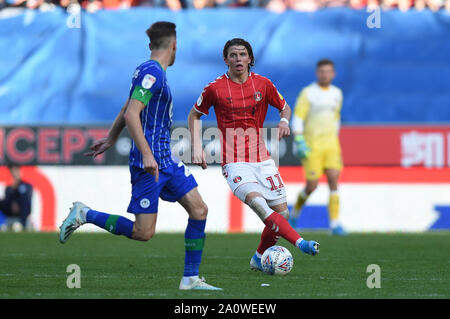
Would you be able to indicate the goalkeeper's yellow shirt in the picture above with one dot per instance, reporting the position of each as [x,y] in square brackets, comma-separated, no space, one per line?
[319,108]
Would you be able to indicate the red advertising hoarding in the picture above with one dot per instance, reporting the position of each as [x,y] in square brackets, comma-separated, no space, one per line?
[407,146]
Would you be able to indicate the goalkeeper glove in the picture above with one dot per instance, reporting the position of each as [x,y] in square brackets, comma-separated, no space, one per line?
[301,148]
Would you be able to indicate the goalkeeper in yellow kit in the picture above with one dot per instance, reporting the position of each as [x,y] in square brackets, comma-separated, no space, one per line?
[315,125]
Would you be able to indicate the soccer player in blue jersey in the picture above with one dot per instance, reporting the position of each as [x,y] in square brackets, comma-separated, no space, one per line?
[154,172]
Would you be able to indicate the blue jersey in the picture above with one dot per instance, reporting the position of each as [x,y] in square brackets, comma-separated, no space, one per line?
[149,85]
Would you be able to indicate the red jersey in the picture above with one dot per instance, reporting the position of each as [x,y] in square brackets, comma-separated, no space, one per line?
[240,111]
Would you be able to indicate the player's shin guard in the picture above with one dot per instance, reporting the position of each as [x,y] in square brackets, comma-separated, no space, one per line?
[194,240]
[115,224]
[279,225]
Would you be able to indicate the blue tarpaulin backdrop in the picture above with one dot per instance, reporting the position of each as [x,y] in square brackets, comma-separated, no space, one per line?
[53,74]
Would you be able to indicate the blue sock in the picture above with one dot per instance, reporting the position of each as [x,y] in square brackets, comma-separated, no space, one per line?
[115,224]
[194,240]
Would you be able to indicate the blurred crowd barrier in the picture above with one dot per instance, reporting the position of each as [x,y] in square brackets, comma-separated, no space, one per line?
[272,5]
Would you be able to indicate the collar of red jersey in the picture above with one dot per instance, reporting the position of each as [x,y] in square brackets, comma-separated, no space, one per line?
[249,74]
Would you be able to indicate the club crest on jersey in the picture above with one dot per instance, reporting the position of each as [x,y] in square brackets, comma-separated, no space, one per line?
[229,99]
[237,179]
[257,96]
[148,81]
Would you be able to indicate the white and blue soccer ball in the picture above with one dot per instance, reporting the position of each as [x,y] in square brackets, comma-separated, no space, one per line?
[277,260]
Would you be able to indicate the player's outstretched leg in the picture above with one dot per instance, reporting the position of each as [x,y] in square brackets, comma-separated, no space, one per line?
[278,224]
[80,214]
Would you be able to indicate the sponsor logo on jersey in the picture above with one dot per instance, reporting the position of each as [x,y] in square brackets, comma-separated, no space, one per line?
[145,203]
[258,96]
[148,81]
[237,179]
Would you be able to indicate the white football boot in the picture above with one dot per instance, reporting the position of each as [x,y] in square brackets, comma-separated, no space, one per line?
[75,219]
[197,284]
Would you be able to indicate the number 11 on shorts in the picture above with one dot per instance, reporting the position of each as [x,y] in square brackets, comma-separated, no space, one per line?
[272,183]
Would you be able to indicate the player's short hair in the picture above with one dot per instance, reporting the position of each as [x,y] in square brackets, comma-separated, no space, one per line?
[325,62]
[239,41]
[160,34]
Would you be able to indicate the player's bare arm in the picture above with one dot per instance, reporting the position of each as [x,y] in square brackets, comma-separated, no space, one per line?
[102,145]
[283,125]
[198,156]
[133,122]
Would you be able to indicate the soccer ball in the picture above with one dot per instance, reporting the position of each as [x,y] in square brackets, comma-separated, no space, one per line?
[277,260]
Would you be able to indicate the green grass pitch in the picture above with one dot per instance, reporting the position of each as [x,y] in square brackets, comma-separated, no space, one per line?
[34,265]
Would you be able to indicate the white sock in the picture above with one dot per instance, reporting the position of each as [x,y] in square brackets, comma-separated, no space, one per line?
[188,279]
[297,243]
[84,212]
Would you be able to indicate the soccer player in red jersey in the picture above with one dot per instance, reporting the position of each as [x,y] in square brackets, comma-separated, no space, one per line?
[240,99]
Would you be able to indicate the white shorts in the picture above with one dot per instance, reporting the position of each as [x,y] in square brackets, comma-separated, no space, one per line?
[264,175]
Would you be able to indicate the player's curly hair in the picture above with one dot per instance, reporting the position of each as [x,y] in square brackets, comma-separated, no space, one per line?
[239,41]
[160,34]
